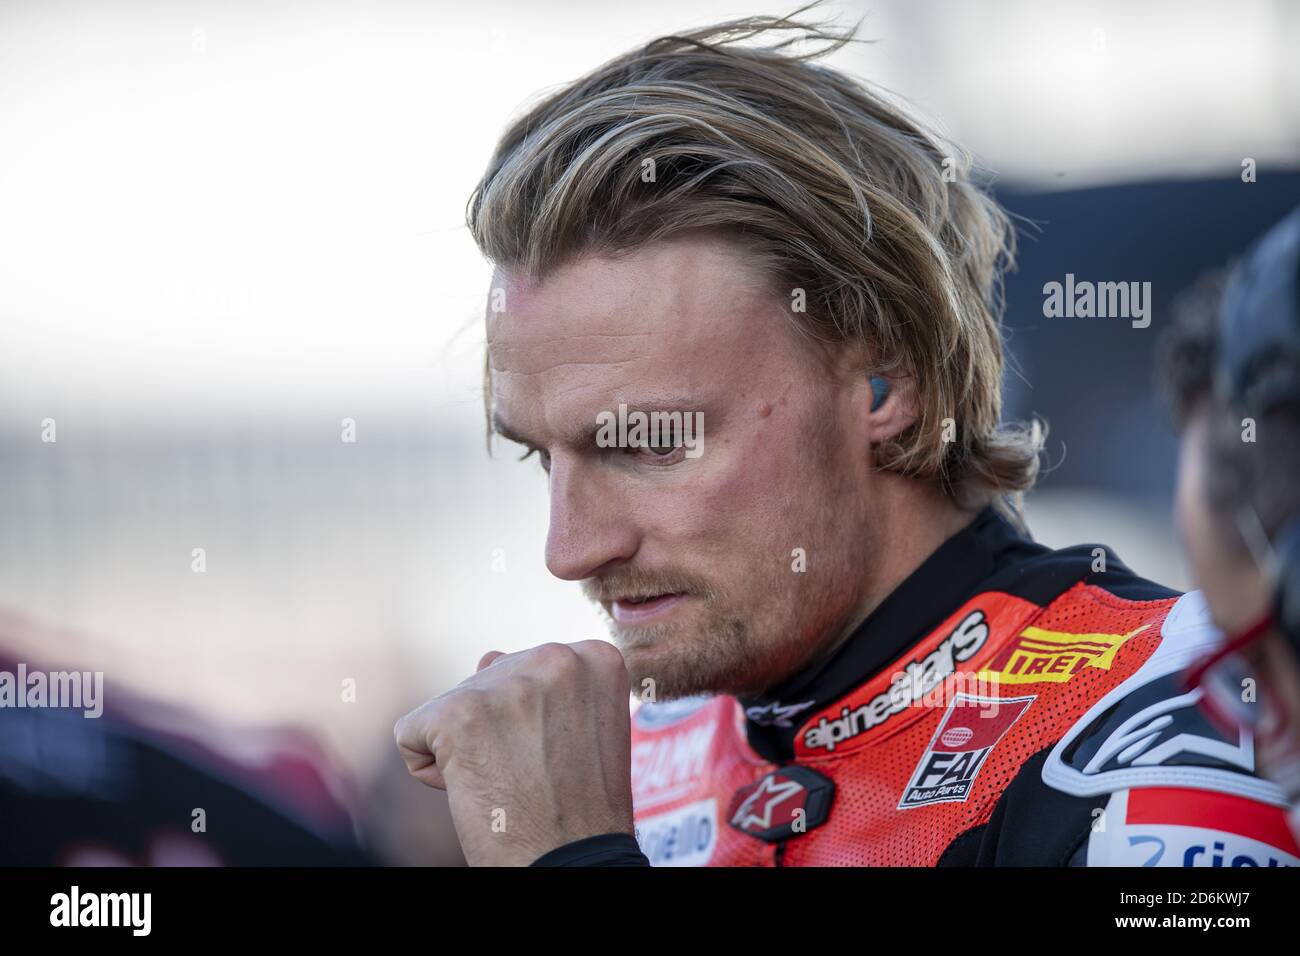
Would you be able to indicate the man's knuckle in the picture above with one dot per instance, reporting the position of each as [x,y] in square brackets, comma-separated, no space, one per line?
[556,658]
[606,654]
[408,725]
[604,659]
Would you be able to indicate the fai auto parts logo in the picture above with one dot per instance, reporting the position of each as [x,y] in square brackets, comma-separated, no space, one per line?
[1037,656]
[783,804]
[967,734]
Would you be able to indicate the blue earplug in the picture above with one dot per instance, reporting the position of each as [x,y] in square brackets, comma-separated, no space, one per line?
[879,391]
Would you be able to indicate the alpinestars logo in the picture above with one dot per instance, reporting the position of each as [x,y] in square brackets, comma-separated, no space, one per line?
[785,803]
[911,684]
[776,714]
[970,729]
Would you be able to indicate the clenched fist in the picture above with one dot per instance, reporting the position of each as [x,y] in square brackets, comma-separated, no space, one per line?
[534,751]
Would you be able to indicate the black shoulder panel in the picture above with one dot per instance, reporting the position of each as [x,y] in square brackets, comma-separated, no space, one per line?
[1045,578]
[1032,825]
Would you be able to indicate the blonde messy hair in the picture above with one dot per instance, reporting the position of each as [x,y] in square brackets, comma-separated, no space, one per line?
[829,187]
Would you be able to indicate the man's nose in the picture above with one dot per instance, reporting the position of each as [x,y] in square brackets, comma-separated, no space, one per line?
[590,522]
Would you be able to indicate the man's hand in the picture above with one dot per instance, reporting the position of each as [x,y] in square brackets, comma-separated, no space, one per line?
[534,751]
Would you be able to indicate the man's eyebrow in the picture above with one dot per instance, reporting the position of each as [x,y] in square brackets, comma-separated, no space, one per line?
[499,427]
[585,435]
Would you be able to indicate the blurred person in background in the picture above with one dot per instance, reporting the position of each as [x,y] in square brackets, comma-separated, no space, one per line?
[128,781]
[1232,368]
[848,648]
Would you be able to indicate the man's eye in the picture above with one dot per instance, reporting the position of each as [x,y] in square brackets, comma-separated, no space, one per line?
[671,442]
[661,454]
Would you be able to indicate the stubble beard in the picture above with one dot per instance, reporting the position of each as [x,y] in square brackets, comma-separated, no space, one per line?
[721,650]
[670,661]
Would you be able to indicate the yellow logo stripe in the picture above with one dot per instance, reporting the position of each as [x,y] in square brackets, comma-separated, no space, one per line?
[1038,655]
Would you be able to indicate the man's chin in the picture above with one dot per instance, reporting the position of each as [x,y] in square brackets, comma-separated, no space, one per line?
[676,663]
[659,673]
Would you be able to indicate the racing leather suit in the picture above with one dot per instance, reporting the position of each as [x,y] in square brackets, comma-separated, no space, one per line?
[1007,704]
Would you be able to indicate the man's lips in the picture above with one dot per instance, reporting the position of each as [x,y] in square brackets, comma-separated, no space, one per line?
[628,611]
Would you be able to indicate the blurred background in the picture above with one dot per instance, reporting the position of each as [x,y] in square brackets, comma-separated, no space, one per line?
[231,232]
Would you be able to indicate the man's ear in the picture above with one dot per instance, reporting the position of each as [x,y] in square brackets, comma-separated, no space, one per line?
[892,407]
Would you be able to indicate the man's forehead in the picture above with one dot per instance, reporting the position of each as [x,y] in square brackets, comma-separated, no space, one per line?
[670,299]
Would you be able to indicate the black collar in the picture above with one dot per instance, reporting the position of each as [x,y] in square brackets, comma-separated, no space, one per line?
[945,580]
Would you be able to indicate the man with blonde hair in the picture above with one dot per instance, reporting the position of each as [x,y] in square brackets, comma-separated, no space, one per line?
[846,647]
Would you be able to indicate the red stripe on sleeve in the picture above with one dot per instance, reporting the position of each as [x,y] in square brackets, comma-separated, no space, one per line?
[1179,807]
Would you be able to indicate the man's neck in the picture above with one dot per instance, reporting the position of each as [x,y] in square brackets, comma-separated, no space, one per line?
[911,521]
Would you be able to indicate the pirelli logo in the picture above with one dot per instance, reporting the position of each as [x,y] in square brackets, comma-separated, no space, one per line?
[1038,656]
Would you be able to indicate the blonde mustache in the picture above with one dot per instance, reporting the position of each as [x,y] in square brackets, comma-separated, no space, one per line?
[641,584]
